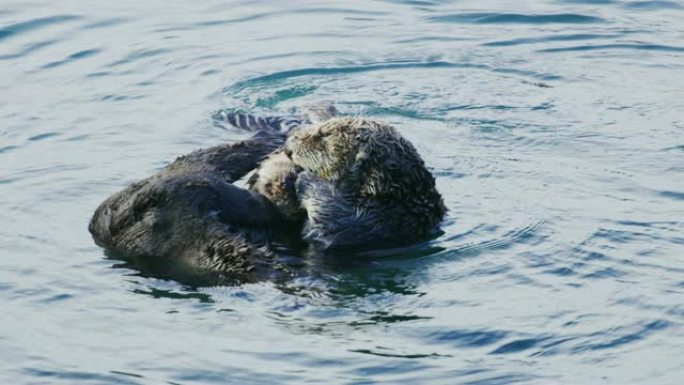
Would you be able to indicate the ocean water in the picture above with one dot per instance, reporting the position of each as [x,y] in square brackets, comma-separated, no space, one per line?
[555,130]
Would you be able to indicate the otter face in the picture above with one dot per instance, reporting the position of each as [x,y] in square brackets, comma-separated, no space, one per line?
[368,157]
[329,149]
[275,179]
[362,183]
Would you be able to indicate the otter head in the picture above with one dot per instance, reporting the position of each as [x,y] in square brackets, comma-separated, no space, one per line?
[275,179]
[370,160]
[325,150]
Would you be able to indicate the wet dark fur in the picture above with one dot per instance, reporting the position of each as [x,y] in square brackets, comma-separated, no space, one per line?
[362,184]
[351,182]
[275,177]
[191,214]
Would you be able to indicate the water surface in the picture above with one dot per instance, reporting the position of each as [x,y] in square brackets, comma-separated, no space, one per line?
[554,129]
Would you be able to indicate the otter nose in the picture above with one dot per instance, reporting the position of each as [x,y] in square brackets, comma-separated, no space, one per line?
[287,148]
[288,151]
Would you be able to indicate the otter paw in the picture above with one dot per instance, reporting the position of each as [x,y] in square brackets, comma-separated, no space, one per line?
[304,182]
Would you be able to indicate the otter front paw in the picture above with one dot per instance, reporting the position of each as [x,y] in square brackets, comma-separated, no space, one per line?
[305,181]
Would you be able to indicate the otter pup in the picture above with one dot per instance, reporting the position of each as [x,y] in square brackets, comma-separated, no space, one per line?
[362,184]
[275,180]
[275,176]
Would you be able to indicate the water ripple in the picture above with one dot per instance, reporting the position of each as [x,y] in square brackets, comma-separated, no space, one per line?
[544,39]
[73,57]
[653,5]
[505,18]
[79,376]
[614,337]
[370,67]
[628,46]
[139,54]
[29,48]
[467,338]
[382,353]
[107,23]
[31,25]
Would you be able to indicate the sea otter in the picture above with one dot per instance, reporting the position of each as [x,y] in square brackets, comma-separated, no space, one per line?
[191,216]
[335,181]
[275,176]
[363,184]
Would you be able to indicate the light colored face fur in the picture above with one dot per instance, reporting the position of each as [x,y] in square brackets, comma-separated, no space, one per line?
[275,179]
[369,157]
[330,149]
[367,160]
[362,183]
[352,182]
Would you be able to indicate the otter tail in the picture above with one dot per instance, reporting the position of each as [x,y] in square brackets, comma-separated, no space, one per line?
[311,114]
[253,123]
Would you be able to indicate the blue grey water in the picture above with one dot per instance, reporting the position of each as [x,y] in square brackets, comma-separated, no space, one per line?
[555,130]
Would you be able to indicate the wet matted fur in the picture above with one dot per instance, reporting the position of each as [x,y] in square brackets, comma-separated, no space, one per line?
[342,182]
[190,214]
[362,184]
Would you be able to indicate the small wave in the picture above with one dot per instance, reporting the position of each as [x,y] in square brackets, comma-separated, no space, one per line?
[653,5]
[672,194]
[518,345]
[71,58]
[593,2]
[264,15]
[172,294]
[6,149]
[377,352]
[505,241]
[139,54]
[26,26]
[30,48]
[615,337]
[544,39]
[420,3]
[46,135]
[505,379]
[79,376]
[635,46]
[579,343]
[381,66]
[119,98]
[428,39]
[283,95]
[467,338]
[105,23]
[515,18]
[674,148]
[334,10]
